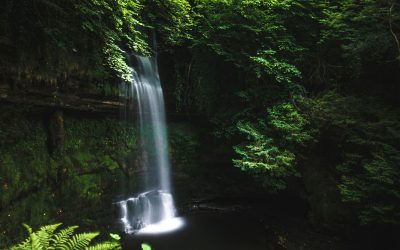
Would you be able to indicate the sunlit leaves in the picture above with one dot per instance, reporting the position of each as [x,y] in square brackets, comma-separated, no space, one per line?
[281,71]
[115,24]
[115,60]
[294,126]
[263,158]
[267,152]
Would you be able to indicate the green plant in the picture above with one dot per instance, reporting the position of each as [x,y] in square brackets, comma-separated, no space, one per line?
[146,246]
[368,153]
[271,149]
[46,238]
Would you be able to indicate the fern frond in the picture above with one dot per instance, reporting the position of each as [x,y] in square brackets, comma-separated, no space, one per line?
[46,239]
[79,241]
[61,238]
[23,245]
[50,228]
[105,246]
[26,244]
[28,228]
[45,233]
[35,242]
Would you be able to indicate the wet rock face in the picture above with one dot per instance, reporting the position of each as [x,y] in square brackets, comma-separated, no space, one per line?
[72,92]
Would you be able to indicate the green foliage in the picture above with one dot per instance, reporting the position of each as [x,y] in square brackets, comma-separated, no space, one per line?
[280,71]
[367,135]
[262,157]
[114,24]
[115,236]
[290,123]
[249,34]
[24,160]
[37,189]
[361,33]
[52,40]
[115,60]
[46,239]
[146,246]
[259,68]
[269,151]
[173,19]
[89,161]
[247,57]
[244,57]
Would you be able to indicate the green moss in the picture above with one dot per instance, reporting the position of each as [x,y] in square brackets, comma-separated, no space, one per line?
[35,188]
[93,144]
[25,162]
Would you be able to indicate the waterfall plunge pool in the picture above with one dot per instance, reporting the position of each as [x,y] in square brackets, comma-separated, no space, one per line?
[162,227]
[200,231]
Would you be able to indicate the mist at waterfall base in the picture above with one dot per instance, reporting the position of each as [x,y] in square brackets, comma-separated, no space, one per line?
[152,209]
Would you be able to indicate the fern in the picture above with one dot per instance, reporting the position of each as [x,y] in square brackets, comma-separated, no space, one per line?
[80,241]
[62,237]
[45,233]
[23,245]
[105,245]
[35,242]
[46,239]
[26,243]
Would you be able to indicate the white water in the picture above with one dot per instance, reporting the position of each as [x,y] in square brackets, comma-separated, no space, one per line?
[154,204]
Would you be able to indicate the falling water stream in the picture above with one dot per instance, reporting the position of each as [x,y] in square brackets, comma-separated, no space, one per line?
[154,204]
[150,209]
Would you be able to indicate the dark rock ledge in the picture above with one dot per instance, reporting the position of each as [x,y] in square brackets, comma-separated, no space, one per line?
[50,98]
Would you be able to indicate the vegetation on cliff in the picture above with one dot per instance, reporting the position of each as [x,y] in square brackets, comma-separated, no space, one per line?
[302,93]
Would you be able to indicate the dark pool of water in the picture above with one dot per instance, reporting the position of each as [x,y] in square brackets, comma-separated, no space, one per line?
[206,231]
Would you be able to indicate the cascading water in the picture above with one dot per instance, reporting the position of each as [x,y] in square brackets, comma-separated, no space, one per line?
[154,203]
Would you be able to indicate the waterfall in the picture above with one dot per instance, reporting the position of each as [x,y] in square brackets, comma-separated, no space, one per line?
[144,98]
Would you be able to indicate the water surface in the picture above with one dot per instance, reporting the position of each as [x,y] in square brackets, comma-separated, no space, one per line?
[206,231]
